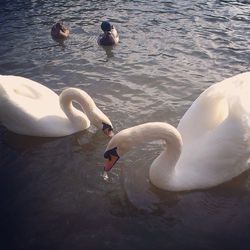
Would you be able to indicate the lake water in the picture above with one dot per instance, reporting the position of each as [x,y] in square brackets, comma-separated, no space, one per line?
[52,191]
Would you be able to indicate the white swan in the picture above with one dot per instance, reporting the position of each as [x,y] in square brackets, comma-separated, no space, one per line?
[29,108]
[211,144]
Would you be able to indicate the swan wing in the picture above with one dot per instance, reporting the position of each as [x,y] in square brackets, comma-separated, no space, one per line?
[218,156]
[211,108]
[28,107]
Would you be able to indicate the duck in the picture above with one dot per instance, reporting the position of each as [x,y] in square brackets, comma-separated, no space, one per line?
[110,35]
[59,31]
[210,145]
[30,108]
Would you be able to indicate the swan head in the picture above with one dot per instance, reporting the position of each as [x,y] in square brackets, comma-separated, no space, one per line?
[117,147]
[59,31]
[101,121]
[110,36]
[107,129]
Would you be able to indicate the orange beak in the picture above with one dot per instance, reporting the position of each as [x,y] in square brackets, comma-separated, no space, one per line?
[110,162]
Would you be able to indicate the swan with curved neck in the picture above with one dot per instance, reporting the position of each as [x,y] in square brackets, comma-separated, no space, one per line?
[211,144]
[29,108]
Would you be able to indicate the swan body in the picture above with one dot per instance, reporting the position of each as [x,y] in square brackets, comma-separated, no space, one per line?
[59,31]
[29,108]
[110,35]
[211,144]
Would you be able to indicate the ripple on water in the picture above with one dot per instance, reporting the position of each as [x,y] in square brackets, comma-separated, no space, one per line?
[53,193]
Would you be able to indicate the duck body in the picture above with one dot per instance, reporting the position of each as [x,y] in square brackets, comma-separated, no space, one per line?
[59,31]
[110,35]
[29,108]
[210,146]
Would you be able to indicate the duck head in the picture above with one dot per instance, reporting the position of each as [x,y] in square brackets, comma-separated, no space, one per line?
[106,26]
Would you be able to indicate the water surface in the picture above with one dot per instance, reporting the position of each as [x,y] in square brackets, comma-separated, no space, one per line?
[52,191]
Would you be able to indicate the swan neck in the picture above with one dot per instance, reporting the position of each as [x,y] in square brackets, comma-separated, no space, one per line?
[163,167]
[157,131]
[82,98]
[162,170]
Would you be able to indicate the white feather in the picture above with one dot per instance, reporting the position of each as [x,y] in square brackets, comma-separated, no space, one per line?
[29,108]
[211,144]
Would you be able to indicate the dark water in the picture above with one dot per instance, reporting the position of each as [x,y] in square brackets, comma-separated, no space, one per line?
[52,192]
